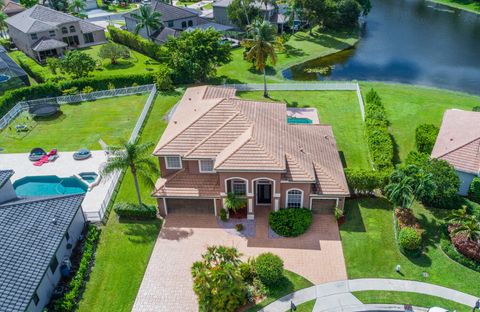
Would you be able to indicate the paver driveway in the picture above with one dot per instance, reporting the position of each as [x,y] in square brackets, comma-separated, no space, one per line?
[167,285]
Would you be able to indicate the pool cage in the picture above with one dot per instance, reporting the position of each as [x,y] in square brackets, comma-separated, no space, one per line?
[12,76]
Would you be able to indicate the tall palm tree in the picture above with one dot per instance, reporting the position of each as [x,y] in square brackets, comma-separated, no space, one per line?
[261,46]
[470,228]
[136,157]
[148,19]
[76,6]
[401,193]
[3,24]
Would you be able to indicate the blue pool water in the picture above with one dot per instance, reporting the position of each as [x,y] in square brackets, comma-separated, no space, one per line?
[49,186]
[295,120]
[88,177]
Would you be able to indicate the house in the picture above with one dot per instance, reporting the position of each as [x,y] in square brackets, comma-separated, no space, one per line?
[11,8]
[42,32]
[217,144]
[458,142]
[37,236]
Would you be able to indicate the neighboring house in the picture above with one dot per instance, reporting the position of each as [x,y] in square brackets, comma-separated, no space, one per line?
[11,8]
[458,142]
[42,32]
[216,143]
[37,237]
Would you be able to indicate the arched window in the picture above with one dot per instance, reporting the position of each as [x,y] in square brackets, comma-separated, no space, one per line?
[72,28]
[64,30]
[294,198]
[237,186]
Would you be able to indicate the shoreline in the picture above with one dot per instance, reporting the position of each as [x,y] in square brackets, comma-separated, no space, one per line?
[453,5]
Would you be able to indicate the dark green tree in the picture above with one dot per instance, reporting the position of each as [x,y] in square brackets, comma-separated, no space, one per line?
[242,12]
[28,3]
[113,52]
[77,63]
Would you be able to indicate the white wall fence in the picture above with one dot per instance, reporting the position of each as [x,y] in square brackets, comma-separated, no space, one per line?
[66,99]
[306,86]
[115,178]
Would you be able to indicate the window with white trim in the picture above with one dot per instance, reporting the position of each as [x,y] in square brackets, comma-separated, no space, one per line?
[205,165]
[237,186]
[294,199]
[173,162]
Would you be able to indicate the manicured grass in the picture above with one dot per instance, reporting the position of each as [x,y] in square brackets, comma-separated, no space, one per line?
[78,126]
[467,5]
[418,300]
[125,247]
[370,248]
[337,108]
[306,306]
[409,106]
[290,283]
[298,49]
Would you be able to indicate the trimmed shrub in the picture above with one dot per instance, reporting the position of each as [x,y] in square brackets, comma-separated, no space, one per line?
[425,137]
[163,78]
[416,158]
[364,182]
[409,239]
[134,211]
[290,222]
[239,227]
[223,215]
[269,268]
[474,190]
[137,43]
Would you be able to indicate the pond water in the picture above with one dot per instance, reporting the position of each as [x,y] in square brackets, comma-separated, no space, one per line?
[407,41]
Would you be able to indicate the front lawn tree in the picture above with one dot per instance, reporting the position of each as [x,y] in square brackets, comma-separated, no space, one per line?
[77,6]
[148,19]
[137,158]
[401,192]
[77,63]
[113,52]
[262,46]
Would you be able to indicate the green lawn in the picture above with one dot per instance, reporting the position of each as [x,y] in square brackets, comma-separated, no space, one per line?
[467,5]
[370,249]
[125,247]
[418,300]
[305,307]
[290,283]
[300,48]
[337,108]
[78,126]
[409,106]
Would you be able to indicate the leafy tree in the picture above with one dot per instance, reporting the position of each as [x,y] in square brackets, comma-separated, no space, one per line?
[401,193]
[77,63]
[148,19]
[217,280]
[425,137]
[59,5]
[470,228]
[195,55]
[446,181]
[234,202]
[163,78]
[3,24]
[28,3]
[261,47]
[241,12]
[335,14]
[113,51]
[53,64]
[137,158]
[77,6]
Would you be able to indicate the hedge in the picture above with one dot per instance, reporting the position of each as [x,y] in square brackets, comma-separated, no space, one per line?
[137,43]
[290,222]
[269,268]
[425,137]
[35,70]
[453,254]
[409,239]
[365,181]
[76,285]
[379,140]
[474,190]
[133,211]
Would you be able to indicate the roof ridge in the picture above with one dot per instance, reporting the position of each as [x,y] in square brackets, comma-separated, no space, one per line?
[295,160]
[327,173]
[457,148]
[248,132]
[267,152]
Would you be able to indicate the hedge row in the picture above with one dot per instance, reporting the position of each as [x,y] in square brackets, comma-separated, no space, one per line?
[75,287]
[137,43]
[453,254]
[364,181]
[134,211]
[49,89]
[39,73]
[425,137]
[378,137]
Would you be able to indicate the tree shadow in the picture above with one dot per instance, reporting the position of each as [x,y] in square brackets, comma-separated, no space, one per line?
[325,40]
[354,221]
[269,70]
[141,232]
[291,51]
[396,150]
[120,65]
[343,159]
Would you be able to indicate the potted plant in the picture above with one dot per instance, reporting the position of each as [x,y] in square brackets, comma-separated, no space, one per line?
[235,203]
[339,216]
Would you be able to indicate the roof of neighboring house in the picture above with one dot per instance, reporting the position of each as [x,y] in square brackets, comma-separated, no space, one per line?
[458,141]
[87,27]
[46,44]
[41,18]
[211,123]
[5,176]
[165,33]
[168,12]
[30,234]
[11,8]
[216,26]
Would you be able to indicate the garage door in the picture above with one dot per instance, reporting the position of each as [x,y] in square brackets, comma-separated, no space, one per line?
[190,206]
[323,206]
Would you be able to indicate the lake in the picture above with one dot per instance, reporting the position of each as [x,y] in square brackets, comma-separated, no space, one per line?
[407,41]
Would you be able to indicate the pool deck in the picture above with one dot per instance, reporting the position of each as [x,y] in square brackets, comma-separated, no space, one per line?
[64,166]
[310,113]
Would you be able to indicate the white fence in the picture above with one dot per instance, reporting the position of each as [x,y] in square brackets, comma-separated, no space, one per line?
[24,105]
[115,178]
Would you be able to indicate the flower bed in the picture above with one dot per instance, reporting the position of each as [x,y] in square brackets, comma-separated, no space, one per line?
[450,250]
[408,232]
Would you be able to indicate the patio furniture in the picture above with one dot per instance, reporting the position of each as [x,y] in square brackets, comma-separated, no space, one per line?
[52,155]
[21,128]
[82,154]
[41,161]
[36,154]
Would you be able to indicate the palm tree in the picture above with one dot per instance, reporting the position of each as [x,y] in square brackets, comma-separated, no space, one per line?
[233,202]
[262,46]
[470,228]
[3,24]
[148,19]
[459,216]
[401,193]
[135,156]
[76,6]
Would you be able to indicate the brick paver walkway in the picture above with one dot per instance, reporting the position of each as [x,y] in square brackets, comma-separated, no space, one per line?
[167,285]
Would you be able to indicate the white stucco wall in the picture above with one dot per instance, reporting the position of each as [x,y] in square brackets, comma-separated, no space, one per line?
[465,180]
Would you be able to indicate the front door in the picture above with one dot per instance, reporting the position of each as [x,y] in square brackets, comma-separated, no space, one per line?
[264,193]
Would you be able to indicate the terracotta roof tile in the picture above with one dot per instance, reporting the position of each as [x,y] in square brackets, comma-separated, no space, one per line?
[187,184]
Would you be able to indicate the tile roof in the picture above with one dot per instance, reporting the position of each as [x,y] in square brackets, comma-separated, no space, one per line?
[169,12]
[10,7]
[39,18]
[241,135]
[164,35]
[5,176]
[185,184]
[45,44]
[28,240]
[458,141]
[87,27]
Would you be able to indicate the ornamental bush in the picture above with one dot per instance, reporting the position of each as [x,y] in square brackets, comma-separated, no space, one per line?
[137,43]
[364,182]
[474,190]
[134,211]
[409,239]
[425,137]
[269,268]
[290,222]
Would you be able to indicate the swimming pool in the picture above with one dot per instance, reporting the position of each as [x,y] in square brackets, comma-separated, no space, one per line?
[48,186]
[297,120]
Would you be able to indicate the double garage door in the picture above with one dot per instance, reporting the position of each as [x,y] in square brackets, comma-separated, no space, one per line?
[324,206]
[190,206]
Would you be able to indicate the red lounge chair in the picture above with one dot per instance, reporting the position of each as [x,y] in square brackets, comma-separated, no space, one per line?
[52,155]
[42,161]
